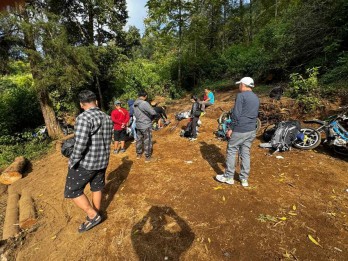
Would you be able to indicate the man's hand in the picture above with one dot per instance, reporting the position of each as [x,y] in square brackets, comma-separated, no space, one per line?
[123,126]
[229,134]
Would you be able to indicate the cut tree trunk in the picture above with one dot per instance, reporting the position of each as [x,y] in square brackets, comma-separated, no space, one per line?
[14,172]
[26,210]
[11,227]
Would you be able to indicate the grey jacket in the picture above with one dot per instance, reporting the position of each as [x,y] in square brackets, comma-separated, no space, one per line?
[144,114]
[245,112]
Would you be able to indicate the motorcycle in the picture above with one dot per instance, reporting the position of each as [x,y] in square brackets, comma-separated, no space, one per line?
[223,122]
[336,136]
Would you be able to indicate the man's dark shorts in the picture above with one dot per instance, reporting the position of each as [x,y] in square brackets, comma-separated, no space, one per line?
[77,179]
[120,135]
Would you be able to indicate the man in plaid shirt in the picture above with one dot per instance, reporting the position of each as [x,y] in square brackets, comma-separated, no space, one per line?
[90,158]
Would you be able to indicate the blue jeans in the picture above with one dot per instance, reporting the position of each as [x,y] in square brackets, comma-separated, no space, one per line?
[134,133]
[241,143]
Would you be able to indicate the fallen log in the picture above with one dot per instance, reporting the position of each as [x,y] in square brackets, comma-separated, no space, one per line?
[26,210]
[3,188]
[11,227]
[14,172]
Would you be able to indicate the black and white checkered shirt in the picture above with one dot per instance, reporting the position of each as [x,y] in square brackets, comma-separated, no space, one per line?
[93,133]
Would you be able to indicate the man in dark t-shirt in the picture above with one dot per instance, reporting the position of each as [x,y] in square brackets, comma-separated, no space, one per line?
[242,132]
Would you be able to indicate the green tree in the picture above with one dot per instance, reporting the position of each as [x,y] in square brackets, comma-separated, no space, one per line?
[61,41]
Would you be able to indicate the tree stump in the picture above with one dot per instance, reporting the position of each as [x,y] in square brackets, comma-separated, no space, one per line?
[14,171]
[26,210]
[11,227]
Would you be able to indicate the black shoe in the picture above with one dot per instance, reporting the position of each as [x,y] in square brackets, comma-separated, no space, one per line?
[90,223]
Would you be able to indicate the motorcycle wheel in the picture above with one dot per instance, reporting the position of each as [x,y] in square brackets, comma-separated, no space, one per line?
[224,116]
[312,139]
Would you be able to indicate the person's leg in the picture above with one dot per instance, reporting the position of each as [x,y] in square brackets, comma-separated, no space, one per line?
[207,104]
[116,143]
[96,199]
[245,155]
[194,127]
[97,184]
[133,129]
[83,203]
[148,142]
[116,140]
[232,149]
[123,135]
[202,105]
[139,142]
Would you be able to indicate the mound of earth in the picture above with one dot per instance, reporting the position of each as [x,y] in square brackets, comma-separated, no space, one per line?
[172,208]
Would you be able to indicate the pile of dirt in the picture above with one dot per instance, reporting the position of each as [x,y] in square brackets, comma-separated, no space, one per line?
[172,208]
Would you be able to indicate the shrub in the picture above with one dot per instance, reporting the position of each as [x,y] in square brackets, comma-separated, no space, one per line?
[31,150]
[306,91]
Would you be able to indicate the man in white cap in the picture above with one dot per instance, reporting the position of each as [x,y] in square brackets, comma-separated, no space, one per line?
[241,133]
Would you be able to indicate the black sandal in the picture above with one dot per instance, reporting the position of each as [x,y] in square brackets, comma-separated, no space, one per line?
[90,223]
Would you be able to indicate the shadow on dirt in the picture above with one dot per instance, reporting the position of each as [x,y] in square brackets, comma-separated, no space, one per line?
[329,151]
[161,235]
[212,154]
[115,179]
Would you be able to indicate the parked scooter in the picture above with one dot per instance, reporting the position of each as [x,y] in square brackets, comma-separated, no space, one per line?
[336,136]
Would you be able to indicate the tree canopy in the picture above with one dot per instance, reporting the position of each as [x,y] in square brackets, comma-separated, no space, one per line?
[74,45]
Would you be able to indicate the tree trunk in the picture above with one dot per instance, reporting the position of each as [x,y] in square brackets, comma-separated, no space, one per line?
[52,125]
[100,93]
[251,21]
[180,43]
[53,128]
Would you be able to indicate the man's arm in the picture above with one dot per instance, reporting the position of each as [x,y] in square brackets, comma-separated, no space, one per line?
[114,118]
[82,130]
[236,112]
[148,108]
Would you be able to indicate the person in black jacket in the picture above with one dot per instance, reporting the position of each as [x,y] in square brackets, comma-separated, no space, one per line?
[195,114]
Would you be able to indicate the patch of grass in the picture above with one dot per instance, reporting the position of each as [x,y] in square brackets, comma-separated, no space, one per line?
[31,150]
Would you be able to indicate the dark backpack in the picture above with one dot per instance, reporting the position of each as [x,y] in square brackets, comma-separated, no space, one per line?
[68,147]
[285,134]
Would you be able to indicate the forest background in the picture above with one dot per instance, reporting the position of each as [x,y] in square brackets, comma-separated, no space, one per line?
[52,49]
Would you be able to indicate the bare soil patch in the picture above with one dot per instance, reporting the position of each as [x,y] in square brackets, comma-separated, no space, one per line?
[172,208]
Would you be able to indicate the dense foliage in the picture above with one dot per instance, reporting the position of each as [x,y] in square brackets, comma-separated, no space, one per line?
[66,46]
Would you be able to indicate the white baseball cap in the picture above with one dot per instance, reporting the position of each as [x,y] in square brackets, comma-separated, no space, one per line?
[247,81]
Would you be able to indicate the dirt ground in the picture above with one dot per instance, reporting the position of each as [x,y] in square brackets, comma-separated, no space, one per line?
[172,208]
